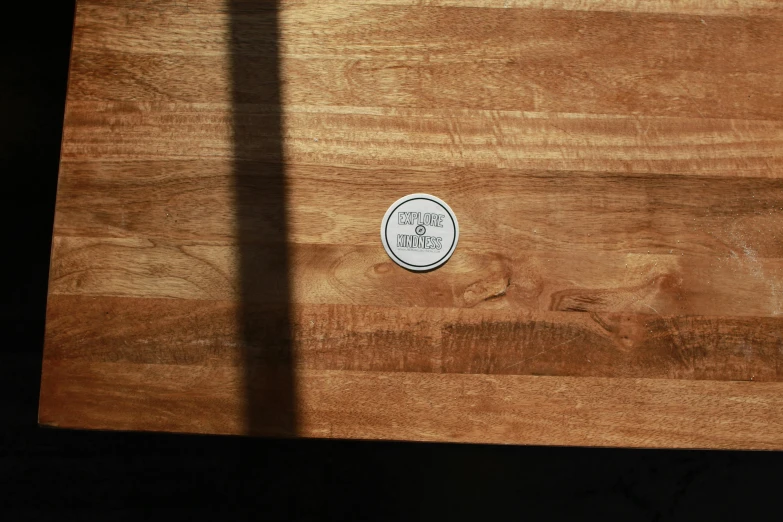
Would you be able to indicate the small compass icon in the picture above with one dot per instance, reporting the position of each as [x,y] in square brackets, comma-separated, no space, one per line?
[420,230]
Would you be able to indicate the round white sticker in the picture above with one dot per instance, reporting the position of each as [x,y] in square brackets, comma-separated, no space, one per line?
[419,232]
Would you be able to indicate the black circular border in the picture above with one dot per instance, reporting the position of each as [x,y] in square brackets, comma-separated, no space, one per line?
[386,233]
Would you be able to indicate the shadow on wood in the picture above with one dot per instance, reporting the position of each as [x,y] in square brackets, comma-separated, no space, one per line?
[260,189]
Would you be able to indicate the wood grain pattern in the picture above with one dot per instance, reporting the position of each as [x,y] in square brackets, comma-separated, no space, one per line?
[360,275]
[111,131]
[429,340]
[428,407]
[181,198]
[552,61]
[616,167]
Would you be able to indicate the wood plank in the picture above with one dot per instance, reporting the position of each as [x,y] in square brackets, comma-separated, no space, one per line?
[594,39]
[743,285]
[424,407]
[485,59]
[685,7]
[505,209]
[429,340]
[414,137]
[725,43]
[518,83]
[504,83]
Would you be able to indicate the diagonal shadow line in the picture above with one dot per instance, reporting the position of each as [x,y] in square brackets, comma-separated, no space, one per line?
[264,314]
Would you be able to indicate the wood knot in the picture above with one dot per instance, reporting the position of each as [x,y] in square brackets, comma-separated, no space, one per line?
[382,268]
[486,290]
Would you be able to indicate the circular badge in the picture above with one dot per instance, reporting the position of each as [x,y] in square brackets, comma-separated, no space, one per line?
[419,232]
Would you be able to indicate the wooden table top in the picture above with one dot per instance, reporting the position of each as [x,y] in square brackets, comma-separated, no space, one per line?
[616,172]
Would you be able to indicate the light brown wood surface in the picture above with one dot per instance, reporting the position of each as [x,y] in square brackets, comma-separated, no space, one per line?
[616,167]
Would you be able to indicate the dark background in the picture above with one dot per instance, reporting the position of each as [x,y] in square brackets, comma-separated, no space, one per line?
[47,474]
